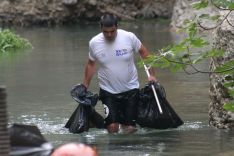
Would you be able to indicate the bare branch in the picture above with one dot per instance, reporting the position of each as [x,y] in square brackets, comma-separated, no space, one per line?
[230,23]
[225,18]
[196,69]
[189,73]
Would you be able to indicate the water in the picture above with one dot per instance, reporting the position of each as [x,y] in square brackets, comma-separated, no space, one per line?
[38,84]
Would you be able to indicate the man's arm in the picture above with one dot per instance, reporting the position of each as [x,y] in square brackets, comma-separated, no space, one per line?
[144,53]
[90,69]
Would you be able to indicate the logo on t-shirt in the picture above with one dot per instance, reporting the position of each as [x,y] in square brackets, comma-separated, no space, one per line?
[121,52]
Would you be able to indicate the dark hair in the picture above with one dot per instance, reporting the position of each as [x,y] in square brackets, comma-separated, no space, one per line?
[108,20]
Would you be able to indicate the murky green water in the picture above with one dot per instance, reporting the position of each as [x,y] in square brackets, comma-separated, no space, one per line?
[38,84]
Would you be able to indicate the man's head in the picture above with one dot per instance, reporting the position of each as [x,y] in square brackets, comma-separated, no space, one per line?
[109,24]
[74,149]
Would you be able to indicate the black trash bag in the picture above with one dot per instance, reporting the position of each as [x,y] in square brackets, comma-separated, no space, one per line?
[83,118]
[80,94]
[96,120]
[79,121]
[27,140]
[148,111]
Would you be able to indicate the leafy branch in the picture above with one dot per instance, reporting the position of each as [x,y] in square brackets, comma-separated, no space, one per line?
[194,48]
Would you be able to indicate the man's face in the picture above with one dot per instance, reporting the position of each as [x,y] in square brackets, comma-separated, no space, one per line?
[109,32]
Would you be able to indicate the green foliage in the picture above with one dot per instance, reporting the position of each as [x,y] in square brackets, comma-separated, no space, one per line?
[221,4]
[9,41]
[194,48]
[224,4]
[208,17]
[183,54]
[231,92]
[229,106]
[229,84]
[227,67]
[191,29]
[198,42]
[200,4]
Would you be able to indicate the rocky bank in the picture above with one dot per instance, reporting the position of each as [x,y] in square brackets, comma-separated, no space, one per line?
[49,12]
[183,10]
[223,39]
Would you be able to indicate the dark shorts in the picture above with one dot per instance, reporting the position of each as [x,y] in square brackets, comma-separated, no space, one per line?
[120,108]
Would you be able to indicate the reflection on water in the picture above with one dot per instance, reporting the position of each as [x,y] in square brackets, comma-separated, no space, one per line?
[38,85]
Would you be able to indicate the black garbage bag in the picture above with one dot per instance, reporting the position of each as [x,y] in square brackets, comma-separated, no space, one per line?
[80,94]
[27,140]
[148,111]
[96,120]
[85,116]
[79,120]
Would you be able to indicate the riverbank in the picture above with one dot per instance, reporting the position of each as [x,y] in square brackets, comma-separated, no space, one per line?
[57,12]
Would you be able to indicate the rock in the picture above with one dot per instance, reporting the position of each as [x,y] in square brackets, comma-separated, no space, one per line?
[183,10]
[223,39]
[158,8]
[92,2]
[28,12]
[70,2]
[4,5]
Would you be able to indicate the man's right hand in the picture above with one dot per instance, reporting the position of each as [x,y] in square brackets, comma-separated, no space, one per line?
[152,78]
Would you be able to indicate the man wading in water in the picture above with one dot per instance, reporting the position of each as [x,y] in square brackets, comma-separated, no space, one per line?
[114,50]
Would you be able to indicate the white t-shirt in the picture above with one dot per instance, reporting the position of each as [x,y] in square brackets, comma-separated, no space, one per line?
[117,71]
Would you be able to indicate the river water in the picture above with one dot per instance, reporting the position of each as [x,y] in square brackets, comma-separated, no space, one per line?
[38,84]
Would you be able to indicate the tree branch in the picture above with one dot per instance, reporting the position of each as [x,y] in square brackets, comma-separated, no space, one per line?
[230,23]
[205,28]
[196,69]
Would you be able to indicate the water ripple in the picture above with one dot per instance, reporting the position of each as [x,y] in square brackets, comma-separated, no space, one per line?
[44,123]
[194,125]
[56,125]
